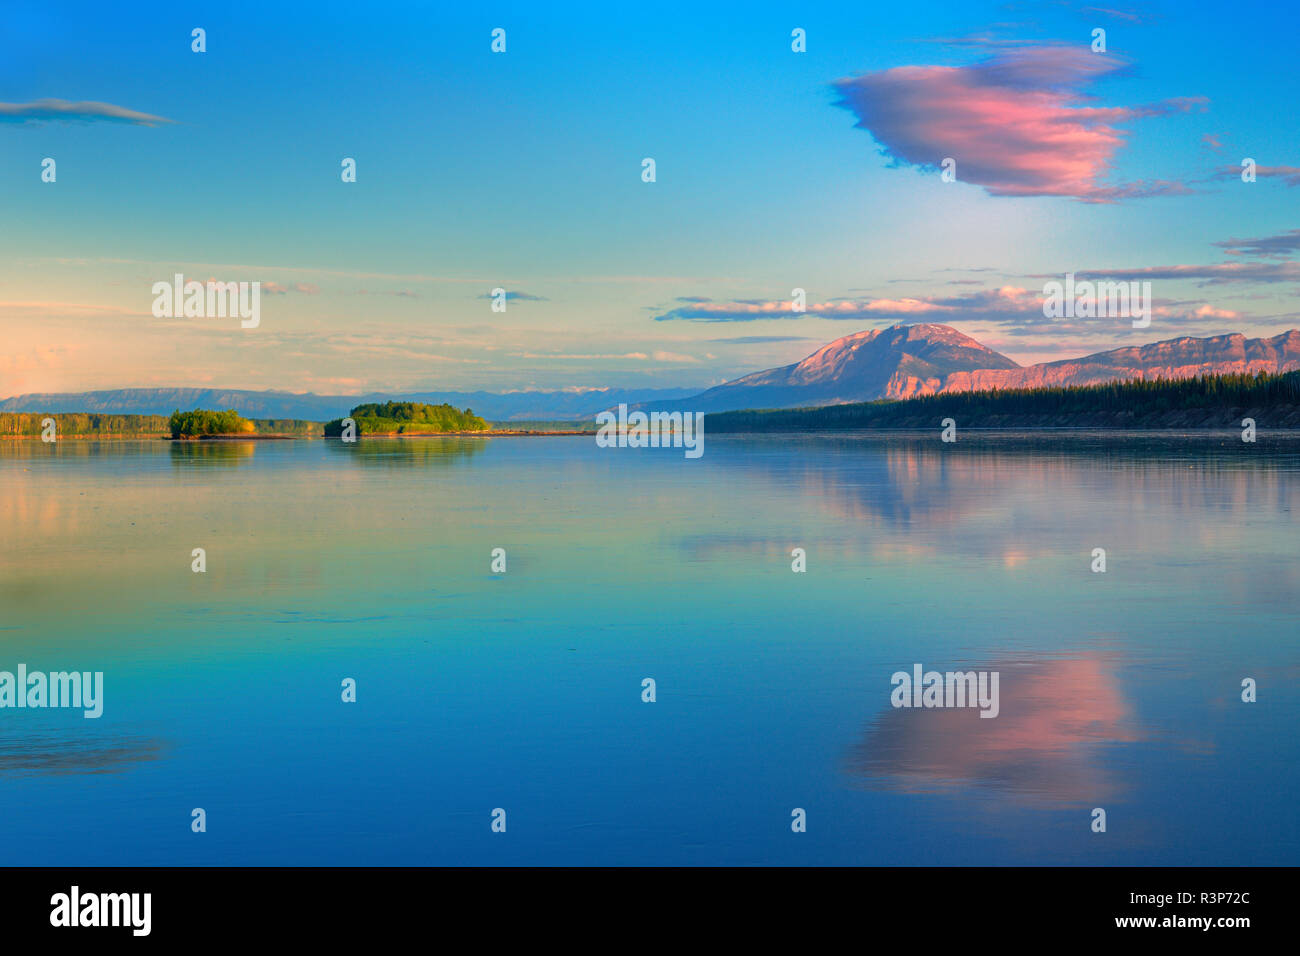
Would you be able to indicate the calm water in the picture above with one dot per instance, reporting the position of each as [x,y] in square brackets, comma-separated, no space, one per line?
[523,691]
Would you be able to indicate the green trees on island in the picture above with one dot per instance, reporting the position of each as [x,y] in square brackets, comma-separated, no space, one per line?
[407,418]
[201,422]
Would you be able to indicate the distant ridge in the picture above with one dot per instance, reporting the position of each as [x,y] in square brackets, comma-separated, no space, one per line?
[495,406]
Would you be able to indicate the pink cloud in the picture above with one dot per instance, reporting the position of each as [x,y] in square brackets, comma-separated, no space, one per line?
[1014,122]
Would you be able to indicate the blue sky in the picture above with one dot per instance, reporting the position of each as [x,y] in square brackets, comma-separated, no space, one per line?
[522,170]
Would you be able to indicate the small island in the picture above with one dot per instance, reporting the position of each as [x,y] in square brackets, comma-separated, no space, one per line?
[408,418]
[205,424]
[202,423]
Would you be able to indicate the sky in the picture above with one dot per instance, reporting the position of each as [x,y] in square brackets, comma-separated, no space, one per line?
[522,170]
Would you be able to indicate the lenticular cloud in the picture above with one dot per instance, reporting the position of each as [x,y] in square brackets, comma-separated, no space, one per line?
[1017,123]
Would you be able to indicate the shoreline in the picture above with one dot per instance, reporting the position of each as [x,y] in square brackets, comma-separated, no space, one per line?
[902,430]
[504,433]
[162,436]
[266,437]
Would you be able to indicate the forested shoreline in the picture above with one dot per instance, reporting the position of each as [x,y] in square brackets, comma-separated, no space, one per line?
[1209,401]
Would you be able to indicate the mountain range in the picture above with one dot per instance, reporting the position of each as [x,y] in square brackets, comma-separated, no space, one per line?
[902,361]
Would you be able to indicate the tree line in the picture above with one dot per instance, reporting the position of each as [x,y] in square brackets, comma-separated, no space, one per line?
[1121,401]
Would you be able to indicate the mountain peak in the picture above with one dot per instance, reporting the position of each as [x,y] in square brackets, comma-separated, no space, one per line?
[893,361]
[903,361]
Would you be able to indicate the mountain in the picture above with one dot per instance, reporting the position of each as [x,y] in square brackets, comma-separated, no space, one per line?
[905,361]
[1184,357]
[896,362]
[495,406]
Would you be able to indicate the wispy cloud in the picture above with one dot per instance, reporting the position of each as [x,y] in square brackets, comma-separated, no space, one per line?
[68,308]
[1130,15]
[1214,274]
[278,288]
[654,356]
[1269,247]
[1012,307]
[760,339]
[516,297]
[1288,174]
[85,111]
[563,356]
[1014,121]
[1000,302]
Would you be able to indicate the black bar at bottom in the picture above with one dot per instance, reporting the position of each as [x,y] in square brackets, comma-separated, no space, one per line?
[334,906]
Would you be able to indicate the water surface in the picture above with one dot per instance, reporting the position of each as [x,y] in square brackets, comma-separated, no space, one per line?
[523,690]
